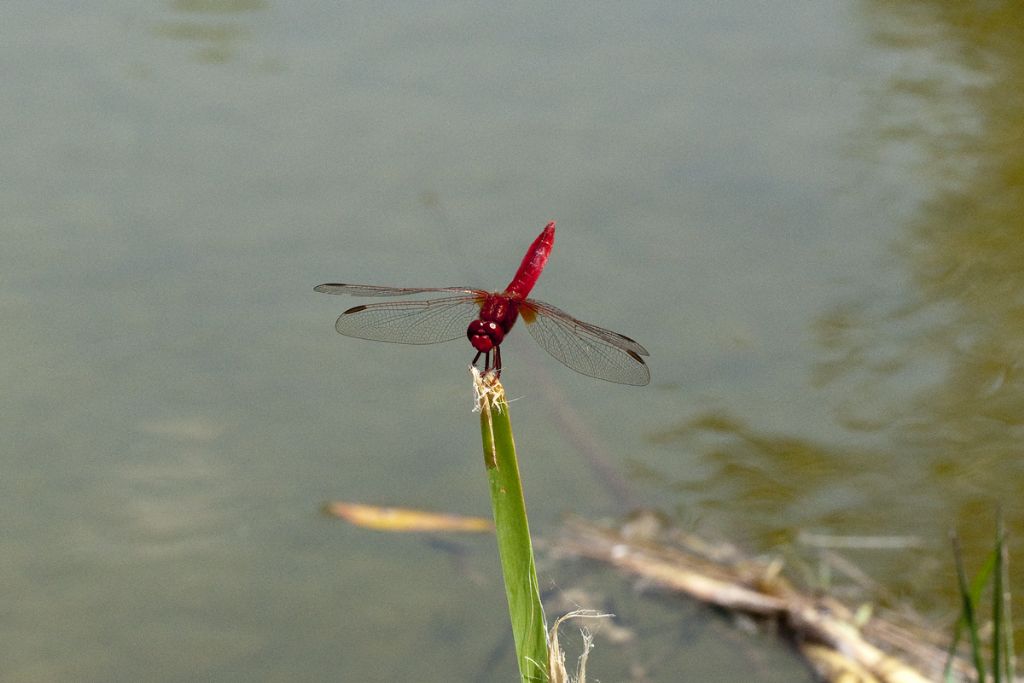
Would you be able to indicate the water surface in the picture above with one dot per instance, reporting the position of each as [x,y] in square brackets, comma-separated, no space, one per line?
[809,214]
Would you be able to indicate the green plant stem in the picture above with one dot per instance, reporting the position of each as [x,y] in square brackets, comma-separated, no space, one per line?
[969,616]
[513,531]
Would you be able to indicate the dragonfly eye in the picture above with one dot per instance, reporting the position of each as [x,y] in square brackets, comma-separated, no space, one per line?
[484,335]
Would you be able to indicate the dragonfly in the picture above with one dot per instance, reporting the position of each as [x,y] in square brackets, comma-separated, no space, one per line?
[485,318]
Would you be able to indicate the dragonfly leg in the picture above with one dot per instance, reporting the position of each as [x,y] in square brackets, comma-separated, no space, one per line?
[488,367]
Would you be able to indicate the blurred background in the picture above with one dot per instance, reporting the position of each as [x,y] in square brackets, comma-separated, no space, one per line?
[809,213]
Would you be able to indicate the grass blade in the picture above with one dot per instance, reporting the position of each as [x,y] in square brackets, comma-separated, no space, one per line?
[512,530]
[969,616]
[1002,621]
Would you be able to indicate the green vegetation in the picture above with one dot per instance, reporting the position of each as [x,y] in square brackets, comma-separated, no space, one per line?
[1000,651]
[513,531]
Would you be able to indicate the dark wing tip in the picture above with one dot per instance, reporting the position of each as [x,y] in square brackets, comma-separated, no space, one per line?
[356,309]
[640,349]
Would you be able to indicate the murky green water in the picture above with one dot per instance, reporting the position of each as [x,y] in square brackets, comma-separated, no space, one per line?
[810,214]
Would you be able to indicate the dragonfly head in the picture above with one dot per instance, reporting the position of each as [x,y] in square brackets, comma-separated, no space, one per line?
[484,335]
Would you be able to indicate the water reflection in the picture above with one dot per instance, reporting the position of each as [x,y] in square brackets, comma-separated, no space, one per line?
[218,6]
[217,40]
[940,368]
[177,499]
[925,371]
[961,317]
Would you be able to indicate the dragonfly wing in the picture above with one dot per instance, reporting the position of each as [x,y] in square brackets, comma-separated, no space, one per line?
[374,290]
[410,322]
[586,348]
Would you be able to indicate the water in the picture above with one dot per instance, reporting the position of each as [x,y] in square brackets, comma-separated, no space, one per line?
[809,215]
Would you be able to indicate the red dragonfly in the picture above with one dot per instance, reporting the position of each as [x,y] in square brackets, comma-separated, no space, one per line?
[587,349]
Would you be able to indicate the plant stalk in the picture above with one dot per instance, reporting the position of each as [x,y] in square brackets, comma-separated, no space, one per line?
[512,530]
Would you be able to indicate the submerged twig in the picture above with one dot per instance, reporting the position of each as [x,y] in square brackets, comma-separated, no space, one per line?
[829,633]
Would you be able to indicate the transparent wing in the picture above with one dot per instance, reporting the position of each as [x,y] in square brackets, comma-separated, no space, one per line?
[587,349]
[374,290]
[410,322]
